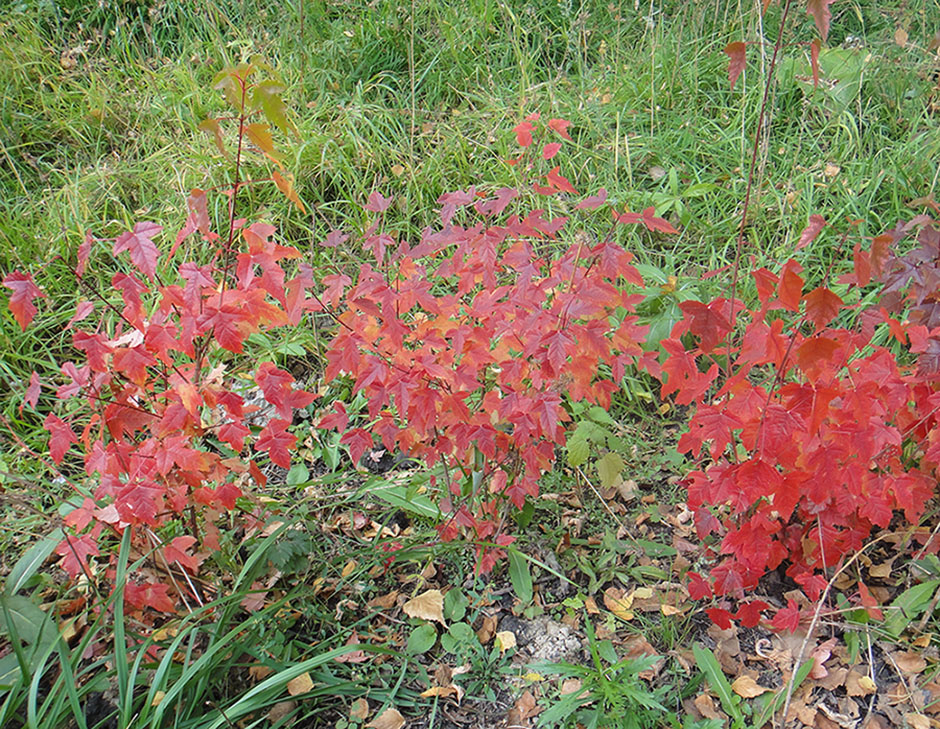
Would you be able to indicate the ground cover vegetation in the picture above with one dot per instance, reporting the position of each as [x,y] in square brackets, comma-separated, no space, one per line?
[517,364]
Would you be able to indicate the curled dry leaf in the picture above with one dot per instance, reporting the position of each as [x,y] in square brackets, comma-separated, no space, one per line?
[487,629]
[618,603]
[428,605]
[388,719]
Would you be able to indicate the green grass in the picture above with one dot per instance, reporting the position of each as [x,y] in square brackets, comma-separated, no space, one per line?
[99,104]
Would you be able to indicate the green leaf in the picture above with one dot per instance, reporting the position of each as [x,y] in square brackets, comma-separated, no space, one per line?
[267,97]
[609,468]
[422,639]
[30,624]
[462,633]
[578,451]
[27,565]
[908,605]
[9,671]
[405,498]
[298,474]
[716,678]
[520,576]
[455,605]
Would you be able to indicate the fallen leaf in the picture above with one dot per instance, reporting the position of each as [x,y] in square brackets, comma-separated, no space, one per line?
[388,719]
[832,170]
[858,684]
[260,672]
[820,655]
[505,639]
[910,662]
[280,710]
[439,691]
[157,698]
[300,685]
[384,602]
[426,606]
[706,707]
[359,710]
[359,656]
[618,603]
[917,721]
[487,629]
[747,688]
[525,708]
[570,686]
[900,37]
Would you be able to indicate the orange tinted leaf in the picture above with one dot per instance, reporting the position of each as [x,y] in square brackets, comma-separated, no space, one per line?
[285,183]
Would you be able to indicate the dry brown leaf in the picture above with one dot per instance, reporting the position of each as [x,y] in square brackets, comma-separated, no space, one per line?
[300,685]
[570,686]
[388,719]
[428,605]
[917,721]
[706,707]
[260,672]
[280,710]
[487,629]
[359,710]
[747,688]
[523,710]
[591,607]
[384,602]
[859,684]
[882,570]
[157,698]
[359,656]
[910,661]
[618,603]
[900,37]
[439,691]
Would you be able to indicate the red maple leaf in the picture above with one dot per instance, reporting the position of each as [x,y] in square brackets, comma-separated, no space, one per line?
[75,552]
[277,442]
[523,132]
[749,613]
[21,300]
[139,242]
[822,306]
[550,150]
[699,588]
[707,322]
[61,438]
[149,595]
[788,618]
